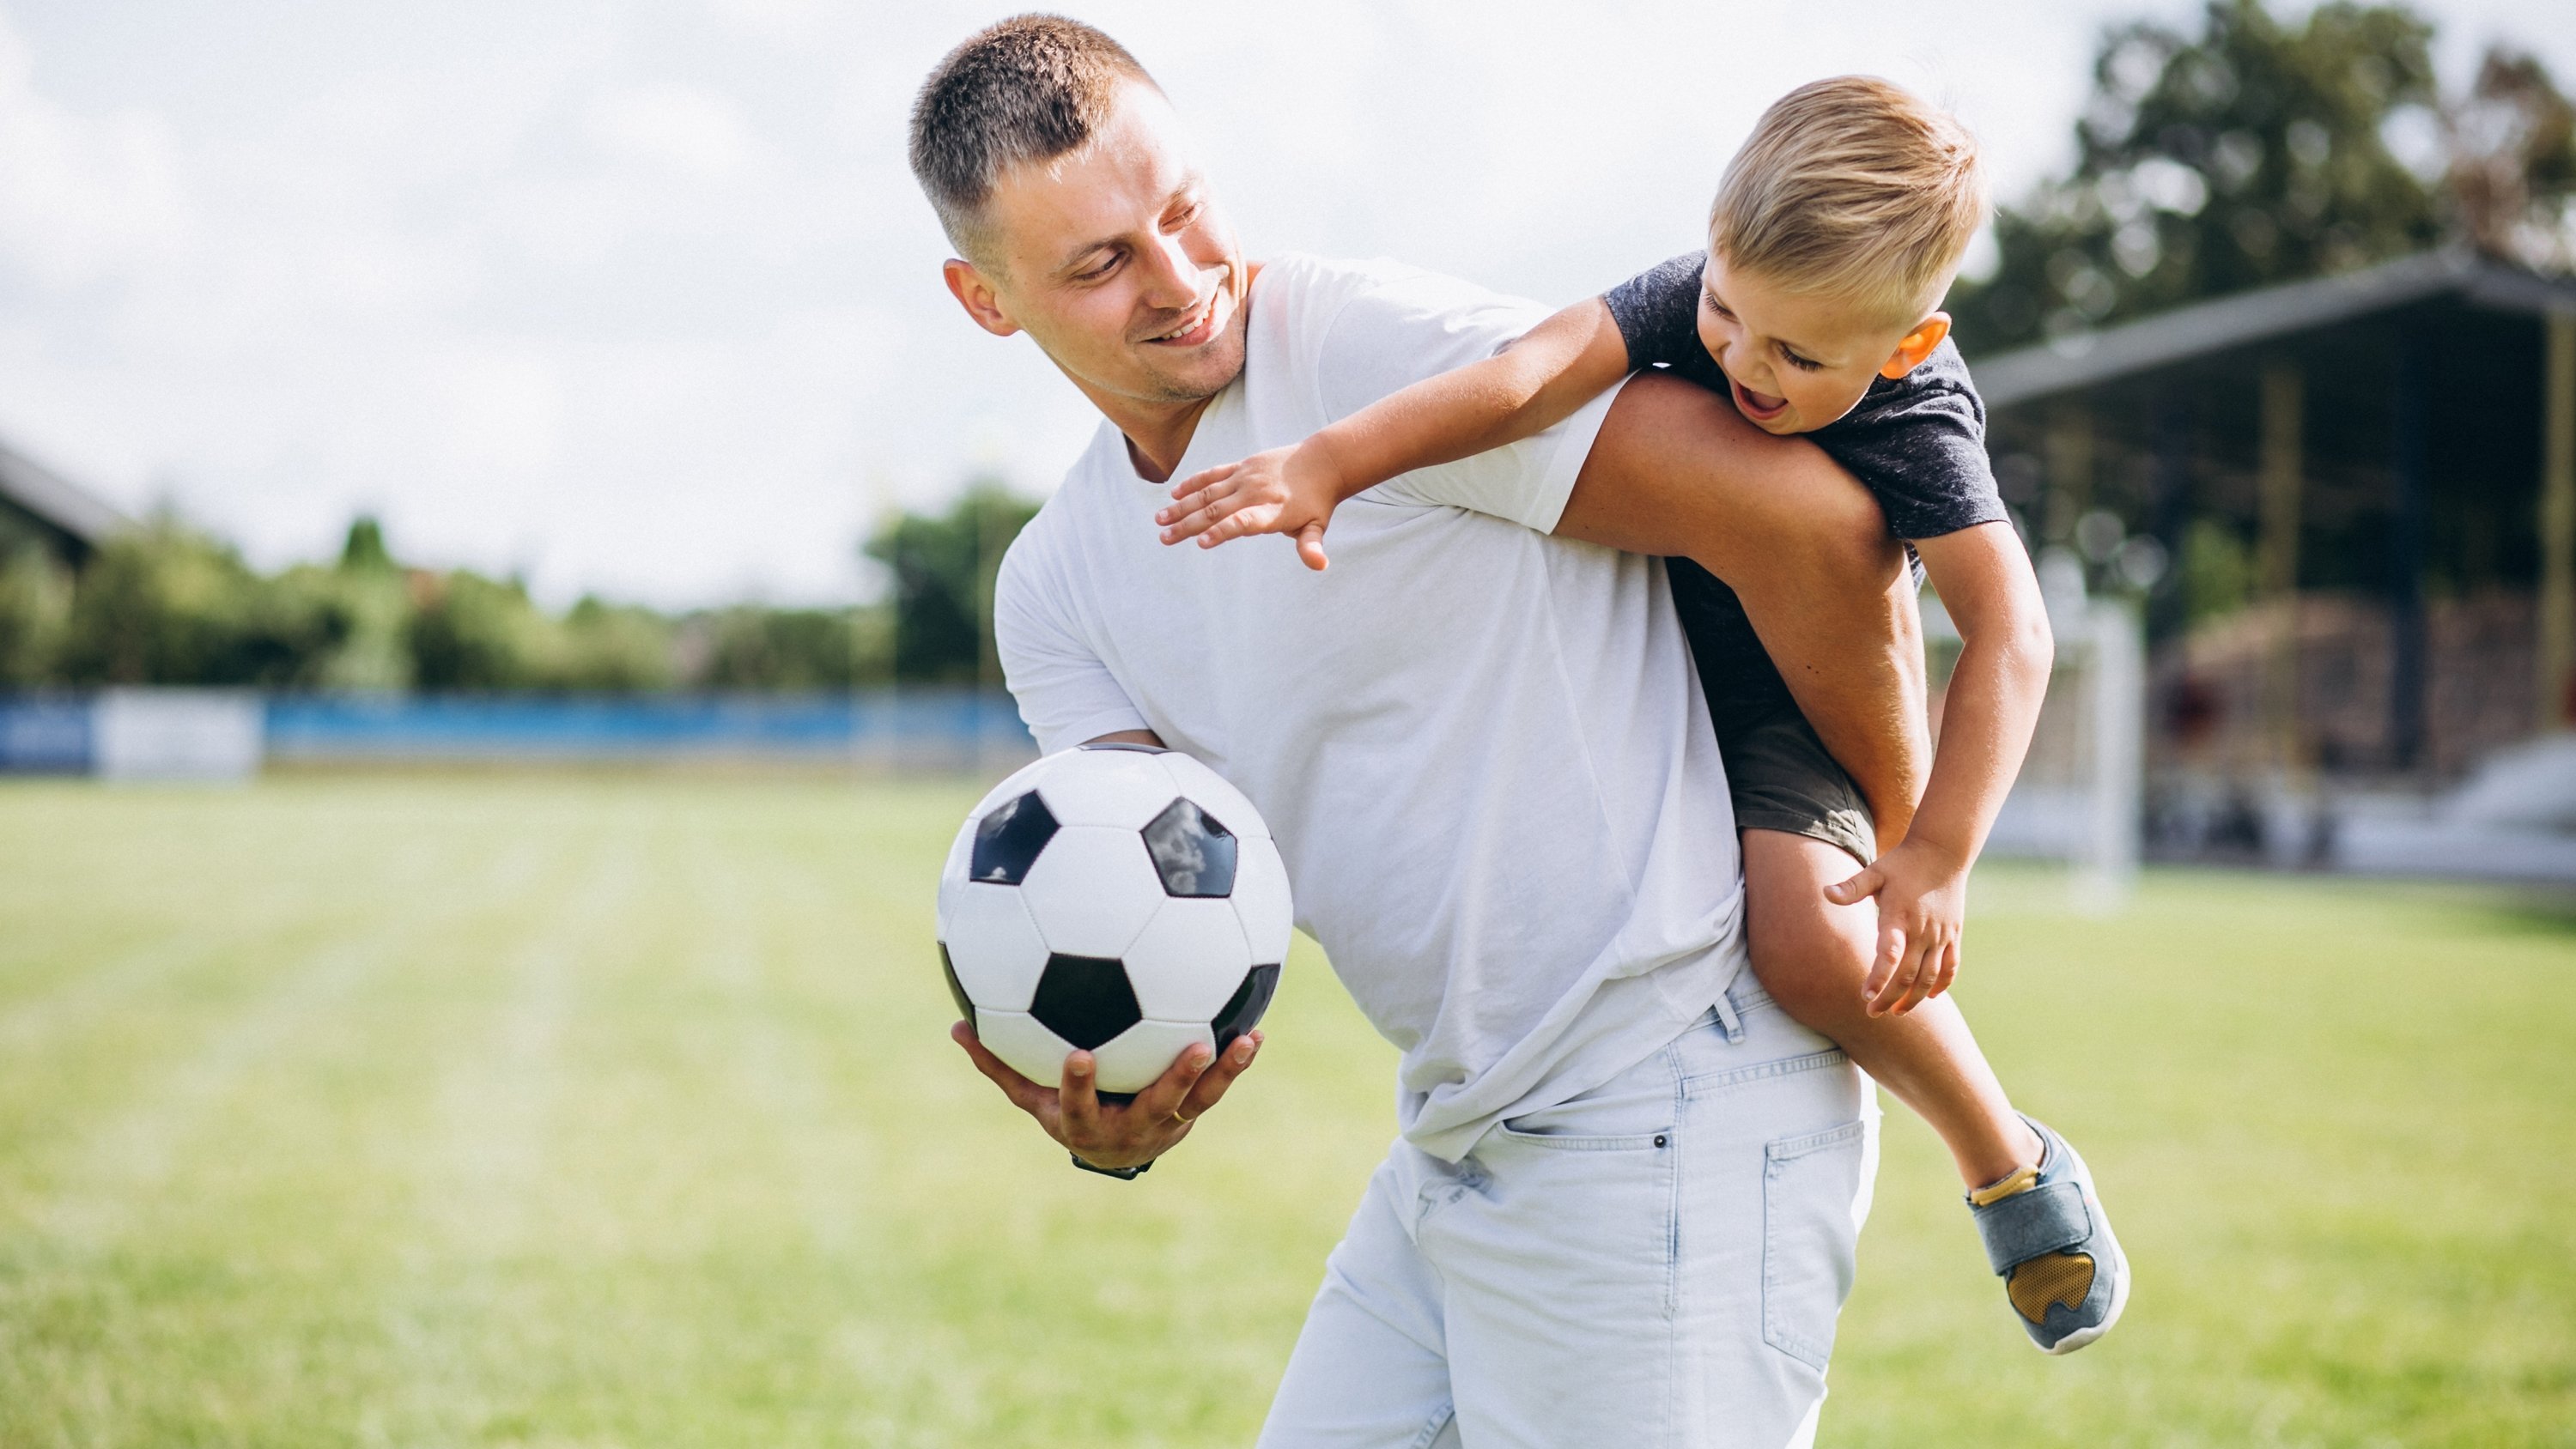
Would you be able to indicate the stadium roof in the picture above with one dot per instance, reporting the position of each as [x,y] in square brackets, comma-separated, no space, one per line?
[2086,359]
[55,501]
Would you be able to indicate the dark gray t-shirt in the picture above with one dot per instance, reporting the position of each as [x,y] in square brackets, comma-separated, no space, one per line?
[1917,443]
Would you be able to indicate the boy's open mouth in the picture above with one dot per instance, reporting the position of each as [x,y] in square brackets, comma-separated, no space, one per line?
[1760,407]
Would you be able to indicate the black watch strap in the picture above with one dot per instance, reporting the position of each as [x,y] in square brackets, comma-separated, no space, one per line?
[1123,1174]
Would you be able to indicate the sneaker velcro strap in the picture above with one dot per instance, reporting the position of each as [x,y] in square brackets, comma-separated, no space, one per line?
[2047,1219]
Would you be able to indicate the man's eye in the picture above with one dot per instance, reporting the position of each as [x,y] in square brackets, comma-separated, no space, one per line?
[1098,272]
[1182,218]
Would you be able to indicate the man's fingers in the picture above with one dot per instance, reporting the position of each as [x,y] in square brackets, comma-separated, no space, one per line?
[1170,1089]
[1857,889]
[1310,547]
[1212,1083]
[1026,1095]
[1078,1100]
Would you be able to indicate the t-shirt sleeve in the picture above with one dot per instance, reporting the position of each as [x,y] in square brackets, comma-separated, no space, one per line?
[1921,450]
[1066,694]
[1405,327]
[1657,312]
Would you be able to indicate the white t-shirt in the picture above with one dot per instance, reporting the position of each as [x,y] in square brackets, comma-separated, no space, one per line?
[1481,748]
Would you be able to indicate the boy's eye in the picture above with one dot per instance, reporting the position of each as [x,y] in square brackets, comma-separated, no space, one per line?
[1803,364]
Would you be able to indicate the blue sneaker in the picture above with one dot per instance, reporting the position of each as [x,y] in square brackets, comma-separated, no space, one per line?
[2051,1243]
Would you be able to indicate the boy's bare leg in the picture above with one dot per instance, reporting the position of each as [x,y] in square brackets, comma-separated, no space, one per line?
[1812,957]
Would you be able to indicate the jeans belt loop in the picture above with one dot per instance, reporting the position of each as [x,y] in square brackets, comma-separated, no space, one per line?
[1727,1019]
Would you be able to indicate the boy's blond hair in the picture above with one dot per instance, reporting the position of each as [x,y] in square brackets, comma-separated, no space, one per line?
[1852,188]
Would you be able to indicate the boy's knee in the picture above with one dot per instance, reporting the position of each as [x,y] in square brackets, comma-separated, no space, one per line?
[1812,961]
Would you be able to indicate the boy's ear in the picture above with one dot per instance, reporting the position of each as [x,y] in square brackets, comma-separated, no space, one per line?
[974,292]
[1916,346]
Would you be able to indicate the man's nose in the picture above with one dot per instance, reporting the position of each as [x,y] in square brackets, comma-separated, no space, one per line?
[1171,278]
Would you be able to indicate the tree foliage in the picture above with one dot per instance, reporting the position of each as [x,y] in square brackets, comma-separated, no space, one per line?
[165,603]
[943,567]
[2266,149]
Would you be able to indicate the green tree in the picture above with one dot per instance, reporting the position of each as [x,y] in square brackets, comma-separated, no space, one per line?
[752,648]
[35,608]
[611,648]
[468,632]
[2264,150]
[166,604]
[943,566]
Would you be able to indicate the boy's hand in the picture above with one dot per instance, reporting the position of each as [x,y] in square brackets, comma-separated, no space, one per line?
[1922,909]
[1286,490]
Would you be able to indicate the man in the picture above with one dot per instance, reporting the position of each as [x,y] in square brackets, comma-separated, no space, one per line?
[1624,1202]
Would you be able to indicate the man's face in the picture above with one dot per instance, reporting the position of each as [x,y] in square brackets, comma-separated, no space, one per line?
[1117,261]
[1796,362]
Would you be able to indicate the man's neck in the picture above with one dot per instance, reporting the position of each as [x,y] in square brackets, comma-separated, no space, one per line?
[1158,434]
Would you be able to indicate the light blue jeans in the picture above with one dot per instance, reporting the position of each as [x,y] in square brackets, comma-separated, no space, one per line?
[1657,1262]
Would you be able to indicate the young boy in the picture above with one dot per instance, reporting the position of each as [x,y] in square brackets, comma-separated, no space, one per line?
[1836,232]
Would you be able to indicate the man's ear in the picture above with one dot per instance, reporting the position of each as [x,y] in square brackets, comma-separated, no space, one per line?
[975,293]
[1909,354]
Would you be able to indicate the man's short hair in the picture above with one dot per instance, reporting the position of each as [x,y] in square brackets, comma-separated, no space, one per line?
[1852,188]
[1029,89]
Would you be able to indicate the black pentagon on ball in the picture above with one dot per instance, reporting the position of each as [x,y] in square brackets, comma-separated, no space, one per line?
[1007,841]
[1085,999]
[1243,1012]
[1192,853]
[956,991]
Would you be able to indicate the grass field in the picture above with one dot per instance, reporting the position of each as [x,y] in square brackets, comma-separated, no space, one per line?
[590,1111]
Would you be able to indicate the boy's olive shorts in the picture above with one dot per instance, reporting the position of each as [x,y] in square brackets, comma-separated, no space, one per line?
[1782,779]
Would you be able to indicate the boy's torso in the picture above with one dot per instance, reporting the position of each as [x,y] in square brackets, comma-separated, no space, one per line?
[1915,442]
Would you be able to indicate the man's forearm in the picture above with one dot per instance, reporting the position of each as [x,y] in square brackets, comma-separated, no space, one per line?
[1677,471]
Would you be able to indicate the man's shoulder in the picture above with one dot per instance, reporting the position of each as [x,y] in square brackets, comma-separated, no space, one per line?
[1324,287]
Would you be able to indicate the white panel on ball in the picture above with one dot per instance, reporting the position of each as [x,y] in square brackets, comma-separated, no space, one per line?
[952,875]
[1227,804]
[1120,789]
[994,946]
[1190,959]
[1137,1057]
[1261,899]
[1092,890]
[1024,1045]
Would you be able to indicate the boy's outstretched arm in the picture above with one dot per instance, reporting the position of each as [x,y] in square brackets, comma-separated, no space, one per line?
[1533,384]
[1677,470]
[1985,581]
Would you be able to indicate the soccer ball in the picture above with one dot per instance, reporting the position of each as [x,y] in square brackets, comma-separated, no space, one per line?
[1119,899]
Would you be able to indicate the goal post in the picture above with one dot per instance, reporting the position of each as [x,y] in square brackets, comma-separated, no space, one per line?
[2080,796]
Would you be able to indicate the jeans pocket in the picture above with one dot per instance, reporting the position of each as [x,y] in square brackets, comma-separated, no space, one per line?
[1811,1187]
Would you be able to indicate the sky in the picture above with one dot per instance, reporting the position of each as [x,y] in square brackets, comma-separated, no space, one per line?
[640,298]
